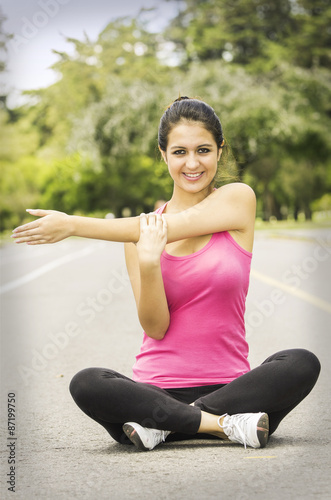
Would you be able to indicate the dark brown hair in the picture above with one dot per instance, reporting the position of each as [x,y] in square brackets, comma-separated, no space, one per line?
[191,110]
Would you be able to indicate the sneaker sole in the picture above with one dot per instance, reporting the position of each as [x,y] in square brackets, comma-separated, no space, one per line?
[263,430]
[133,435]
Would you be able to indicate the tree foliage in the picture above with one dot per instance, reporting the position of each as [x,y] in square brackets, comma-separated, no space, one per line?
[88,143]
[248,31]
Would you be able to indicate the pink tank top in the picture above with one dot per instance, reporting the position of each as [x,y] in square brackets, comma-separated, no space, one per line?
[205,343]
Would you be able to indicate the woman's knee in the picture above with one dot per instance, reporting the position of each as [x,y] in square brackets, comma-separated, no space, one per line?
[82,384]
[309,365]
[300,366]
[303,367]
[91,381]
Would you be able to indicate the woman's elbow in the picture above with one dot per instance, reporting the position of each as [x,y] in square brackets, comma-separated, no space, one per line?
[156,333]
[155,326]
[155,336]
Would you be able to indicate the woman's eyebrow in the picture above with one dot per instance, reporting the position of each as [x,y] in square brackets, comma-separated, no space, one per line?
[184,147]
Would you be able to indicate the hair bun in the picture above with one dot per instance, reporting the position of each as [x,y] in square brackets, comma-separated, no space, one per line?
[181,98]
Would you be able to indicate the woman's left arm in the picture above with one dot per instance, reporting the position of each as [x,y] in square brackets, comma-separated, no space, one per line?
[229,208]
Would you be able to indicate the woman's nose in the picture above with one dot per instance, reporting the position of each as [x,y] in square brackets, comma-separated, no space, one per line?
[192,161]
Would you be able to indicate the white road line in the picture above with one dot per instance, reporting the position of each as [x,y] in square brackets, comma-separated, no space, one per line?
[45,269]
[312,299]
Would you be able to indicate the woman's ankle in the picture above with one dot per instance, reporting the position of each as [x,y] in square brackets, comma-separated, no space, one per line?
[211,424]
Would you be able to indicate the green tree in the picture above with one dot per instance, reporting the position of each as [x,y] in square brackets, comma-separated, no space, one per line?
[310,38]
[267,120]
[120,134]
[124,48]
[20,171]
[92,136]
[250,31]
[4,38]
[237,30]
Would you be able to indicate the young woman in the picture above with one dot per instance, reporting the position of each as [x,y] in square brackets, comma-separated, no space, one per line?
[189,265]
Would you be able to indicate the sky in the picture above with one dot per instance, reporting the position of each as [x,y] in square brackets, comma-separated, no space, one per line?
[39,26]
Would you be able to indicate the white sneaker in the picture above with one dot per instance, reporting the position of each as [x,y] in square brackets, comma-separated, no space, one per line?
[145,439]
[249,429]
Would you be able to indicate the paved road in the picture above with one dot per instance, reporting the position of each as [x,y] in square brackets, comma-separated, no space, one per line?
[70,306]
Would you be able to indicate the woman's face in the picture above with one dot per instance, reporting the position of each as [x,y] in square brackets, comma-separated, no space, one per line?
[191,156]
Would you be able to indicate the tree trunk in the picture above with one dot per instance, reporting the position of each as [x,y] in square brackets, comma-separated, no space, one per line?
[308,212]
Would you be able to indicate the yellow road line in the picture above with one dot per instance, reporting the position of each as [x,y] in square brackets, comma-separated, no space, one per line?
[312,299]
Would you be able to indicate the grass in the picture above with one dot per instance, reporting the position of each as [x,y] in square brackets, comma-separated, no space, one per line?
[320,220]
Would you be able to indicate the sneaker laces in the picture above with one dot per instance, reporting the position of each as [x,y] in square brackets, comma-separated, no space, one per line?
[157,435]
[164,435]
[233,429]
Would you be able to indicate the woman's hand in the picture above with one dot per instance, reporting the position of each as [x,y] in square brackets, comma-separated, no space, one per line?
[52,226]
[146,276]
[153,238]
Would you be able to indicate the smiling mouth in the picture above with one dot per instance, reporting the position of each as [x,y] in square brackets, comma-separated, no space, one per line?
[193,176]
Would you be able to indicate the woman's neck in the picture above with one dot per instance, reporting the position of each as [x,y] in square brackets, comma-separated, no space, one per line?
[183,200]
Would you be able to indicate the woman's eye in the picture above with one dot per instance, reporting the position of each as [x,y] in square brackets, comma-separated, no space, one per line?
[182,151]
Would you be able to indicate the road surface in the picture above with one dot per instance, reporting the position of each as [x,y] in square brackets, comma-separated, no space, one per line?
[68,306]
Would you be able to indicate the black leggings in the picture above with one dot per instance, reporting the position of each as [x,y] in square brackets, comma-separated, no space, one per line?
[275,387]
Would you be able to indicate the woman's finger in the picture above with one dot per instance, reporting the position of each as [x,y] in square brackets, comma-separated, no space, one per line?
[152,220]
[143,221]
[159,222]
[31,240]
[39,242]
[164,226]
[29,226]
[26,227]
[27,234]
[38,212]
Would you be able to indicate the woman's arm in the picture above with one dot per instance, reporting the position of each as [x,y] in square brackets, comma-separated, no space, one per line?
[54,226]
[143,264]
[231,207]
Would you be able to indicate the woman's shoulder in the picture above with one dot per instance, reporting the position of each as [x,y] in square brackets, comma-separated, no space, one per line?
[235,189]
[236,194]
[239,198]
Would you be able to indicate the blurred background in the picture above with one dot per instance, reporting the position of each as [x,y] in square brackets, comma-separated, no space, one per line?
[84,85]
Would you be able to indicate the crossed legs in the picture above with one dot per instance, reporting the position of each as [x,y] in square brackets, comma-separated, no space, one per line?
[275,387]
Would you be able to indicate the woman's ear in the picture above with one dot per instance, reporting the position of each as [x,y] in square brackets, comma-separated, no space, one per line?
[164,155]
[220,151]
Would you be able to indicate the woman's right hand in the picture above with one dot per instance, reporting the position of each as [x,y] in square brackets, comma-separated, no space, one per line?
[153,238]
[52,226]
